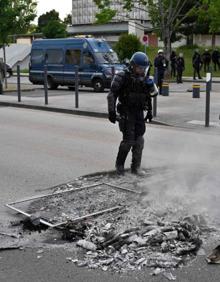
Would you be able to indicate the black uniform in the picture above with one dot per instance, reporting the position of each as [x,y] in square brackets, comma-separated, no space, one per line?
[180,66]
[173,59]
[215,59]
[161,64]
[2,71]
[197,64]
[206,58]
[133,96]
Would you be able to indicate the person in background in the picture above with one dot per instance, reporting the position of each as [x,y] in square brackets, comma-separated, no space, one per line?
[206,59]
[197,64]
[131,89]
[160,64]
[216,59]
[173,58]
[180,66]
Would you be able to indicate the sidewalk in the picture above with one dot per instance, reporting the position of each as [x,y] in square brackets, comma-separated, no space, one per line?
[178,109]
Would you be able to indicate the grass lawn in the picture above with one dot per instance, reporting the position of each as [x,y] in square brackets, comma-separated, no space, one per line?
[187,53]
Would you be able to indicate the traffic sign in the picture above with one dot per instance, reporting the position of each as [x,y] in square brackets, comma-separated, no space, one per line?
[145,39]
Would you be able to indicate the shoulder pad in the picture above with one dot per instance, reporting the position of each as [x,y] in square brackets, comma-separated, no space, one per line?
[118,81]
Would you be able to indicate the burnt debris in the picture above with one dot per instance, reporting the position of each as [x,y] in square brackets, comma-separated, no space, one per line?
[114,224]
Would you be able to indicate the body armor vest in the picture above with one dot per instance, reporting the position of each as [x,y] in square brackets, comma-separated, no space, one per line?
[134,94]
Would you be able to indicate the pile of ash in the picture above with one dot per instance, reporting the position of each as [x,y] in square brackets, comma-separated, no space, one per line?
[152,244]
[138,234]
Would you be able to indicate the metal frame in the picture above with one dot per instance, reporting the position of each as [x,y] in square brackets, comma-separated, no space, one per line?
[11,205]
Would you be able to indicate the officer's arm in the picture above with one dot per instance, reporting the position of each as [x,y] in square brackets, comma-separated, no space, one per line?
[116,87]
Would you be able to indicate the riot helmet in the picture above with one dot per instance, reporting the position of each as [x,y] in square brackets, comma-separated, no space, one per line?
[139,63]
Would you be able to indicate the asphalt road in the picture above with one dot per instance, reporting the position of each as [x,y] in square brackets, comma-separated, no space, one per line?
[42,149]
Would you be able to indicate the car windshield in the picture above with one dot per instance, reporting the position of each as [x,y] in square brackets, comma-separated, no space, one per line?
[107,58]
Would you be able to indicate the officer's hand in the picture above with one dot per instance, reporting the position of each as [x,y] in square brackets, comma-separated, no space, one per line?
[112,117]
[149,116]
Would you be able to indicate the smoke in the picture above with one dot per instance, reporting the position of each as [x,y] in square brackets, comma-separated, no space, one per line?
[189,186]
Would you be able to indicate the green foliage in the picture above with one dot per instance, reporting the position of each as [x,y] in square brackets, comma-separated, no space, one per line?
[68,19]
[105,16]
[44,19]
[127,45]
[214,14]
[55,29]
[51,25]
[15,17]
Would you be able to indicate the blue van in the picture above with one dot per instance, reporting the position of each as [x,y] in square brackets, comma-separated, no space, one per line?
[94,58]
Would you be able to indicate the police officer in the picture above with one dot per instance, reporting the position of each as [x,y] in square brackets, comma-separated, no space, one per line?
[160,63]
[216,59]
[206,58]
[173,58]
[197,64]
[180,66]
[132,89]
[2,71]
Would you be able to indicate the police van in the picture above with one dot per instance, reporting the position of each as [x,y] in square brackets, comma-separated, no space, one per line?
[94,59]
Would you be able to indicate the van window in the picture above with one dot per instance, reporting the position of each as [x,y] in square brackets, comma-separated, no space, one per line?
[54,56]
[72,56]
[37,56]
[107,57]
[88,59]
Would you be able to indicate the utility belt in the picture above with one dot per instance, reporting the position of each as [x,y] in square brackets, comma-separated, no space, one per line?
[123,109]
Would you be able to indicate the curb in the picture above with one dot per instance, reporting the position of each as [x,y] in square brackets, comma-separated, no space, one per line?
[68,111]
[23,90]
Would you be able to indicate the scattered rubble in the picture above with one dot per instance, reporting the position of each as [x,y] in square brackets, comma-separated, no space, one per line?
[214,257]
[139,234]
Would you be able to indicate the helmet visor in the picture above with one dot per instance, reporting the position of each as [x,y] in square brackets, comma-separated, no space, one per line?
[141,70]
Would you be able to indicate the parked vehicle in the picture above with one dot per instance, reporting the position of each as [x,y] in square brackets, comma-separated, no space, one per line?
[9,71]
[94,58]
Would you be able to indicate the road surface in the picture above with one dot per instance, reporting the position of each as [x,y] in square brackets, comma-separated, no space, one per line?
[42,149]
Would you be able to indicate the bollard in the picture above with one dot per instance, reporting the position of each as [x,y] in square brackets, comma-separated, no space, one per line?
[156,76]
[113,72]
[207,102]
[196,91]
[45,85]
[77,87]
[165,89]
[1,83]
[19,83]
[155,106]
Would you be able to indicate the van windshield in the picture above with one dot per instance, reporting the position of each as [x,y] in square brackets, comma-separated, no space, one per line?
[107,58]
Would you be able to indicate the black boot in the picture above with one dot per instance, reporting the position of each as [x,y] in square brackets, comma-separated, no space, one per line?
[137,155]
[123,151]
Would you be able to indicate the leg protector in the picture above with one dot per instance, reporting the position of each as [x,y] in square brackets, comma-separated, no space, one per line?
[123,151]
[137,154]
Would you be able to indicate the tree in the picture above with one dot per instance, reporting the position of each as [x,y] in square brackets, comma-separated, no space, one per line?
[127,45]
[166,15]
[68,19]
[55,29]
[211,12]
[15,17]
[44,19]
[51,25]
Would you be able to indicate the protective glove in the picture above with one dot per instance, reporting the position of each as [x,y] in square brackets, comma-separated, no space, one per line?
[149,116]
[112,117]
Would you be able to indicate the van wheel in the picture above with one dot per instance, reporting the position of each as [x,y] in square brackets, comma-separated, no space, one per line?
[98,85]
[51,84]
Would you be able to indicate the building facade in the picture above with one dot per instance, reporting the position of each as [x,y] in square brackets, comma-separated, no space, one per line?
[84,11]
[83,21]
